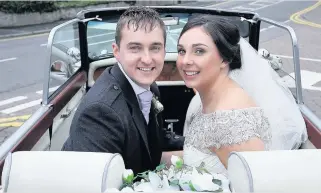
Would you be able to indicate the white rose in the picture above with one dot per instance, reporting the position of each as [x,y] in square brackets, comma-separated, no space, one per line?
[177,161]
[225,181]
[111,190]
[128,176]
[154,180]
[202,182]
[144,187]
[127,189]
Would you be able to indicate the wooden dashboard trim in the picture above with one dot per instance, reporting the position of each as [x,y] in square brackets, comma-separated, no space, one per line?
[97,67]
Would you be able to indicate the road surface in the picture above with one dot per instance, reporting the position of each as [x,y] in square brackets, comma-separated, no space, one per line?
[23,60]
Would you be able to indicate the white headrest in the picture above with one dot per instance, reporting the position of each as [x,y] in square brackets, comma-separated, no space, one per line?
[61,171]
[275,171]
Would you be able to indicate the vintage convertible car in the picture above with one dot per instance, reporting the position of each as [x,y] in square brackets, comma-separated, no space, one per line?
[79,51]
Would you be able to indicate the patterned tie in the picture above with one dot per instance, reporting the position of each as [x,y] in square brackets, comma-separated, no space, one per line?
[145,99]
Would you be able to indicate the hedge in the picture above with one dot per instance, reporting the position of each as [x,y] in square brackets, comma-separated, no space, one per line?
[27,6]
[46,6]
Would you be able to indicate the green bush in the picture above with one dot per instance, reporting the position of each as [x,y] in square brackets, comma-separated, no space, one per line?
[65,4]
[48,6]
[27,6]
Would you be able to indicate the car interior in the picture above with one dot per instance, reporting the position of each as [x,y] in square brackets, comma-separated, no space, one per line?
[175,96]
[244,167]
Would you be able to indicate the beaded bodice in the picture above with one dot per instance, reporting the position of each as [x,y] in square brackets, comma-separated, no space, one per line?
[222,128]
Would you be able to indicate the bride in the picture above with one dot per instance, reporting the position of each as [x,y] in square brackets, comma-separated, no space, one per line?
[228,119]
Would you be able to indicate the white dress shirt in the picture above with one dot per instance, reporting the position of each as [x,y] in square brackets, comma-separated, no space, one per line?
[137,89]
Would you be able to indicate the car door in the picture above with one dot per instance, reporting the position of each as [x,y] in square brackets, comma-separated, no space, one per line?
[64,86]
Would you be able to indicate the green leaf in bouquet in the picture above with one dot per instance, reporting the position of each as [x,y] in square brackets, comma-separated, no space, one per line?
[219,190]
[174,182]
[202,170]
[123,185]
[161,167]
[190,184]
[202,165]
[217,181]
[143,175]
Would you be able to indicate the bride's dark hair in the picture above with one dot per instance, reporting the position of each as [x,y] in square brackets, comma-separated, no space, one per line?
[225,36]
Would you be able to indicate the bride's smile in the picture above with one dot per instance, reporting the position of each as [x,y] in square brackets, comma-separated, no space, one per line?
[198,58]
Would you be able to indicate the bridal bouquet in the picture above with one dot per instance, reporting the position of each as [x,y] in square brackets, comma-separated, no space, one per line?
[177,177]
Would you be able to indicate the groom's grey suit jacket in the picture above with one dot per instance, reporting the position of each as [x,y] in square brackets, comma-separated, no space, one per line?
[109,120]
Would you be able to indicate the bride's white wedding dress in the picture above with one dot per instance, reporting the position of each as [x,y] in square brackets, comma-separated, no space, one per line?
[221,128]
[278,111]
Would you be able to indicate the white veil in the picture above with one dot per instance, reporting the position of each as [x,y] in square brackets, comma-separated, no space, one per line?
[263,84]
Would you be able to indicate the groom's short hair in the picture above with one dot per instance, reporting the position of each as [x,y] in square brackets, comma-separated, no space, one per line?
[139,17]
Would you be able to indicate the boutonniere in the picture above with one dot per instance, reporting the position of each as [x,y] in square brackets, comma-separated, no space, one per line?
[158,107]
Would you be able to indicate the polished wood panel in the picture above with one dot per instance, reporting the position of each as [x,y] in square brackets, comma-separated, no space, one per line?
[169,73]
[313,133]
[58,103]
[98,72]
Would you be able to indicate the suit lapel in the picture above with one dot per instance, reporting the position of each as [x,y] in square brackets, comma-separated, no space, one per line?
[155,138]
[131,100]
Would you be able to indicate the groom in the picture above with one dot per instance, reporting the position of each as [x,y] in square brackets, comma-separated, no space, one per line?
[117,114]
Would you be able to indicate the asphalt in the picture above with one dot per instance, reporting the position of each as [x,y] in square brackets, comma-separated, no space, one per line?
[28,30]
[23,59]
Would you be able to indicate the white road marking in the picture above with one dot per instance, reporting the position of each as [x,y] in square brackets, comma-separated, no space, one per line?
[221,3]
[89,37]
[261,3]
[301,58]
[308,79]
[268,5]
[21,107]
[272,26]
[52,89]
[91,43]
[19,99]
[103,25]
[100,42]
[8,59]
[257,4]
[12,100]
[243,7]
